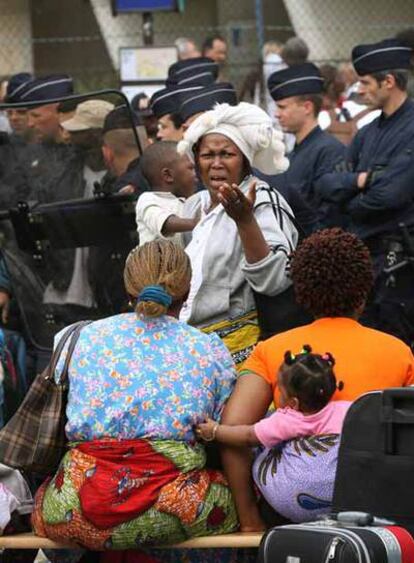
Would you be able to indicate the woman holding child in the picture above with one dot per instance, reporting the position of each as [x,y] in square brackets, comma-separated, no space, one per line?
[244,236]
[332,276]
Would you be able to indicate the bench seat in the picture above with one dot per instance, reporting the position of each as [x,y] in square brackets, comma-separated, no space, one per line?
[240,540]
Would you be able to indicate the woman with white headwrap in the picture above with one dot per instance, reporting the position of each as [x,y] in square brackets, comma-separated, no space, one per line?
[244,237]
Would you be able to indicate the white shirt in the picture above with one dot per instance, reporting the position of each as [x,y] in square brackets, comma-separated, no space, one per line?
[197,248]
[324,119]
[4,123]
[152,210]
[354,108]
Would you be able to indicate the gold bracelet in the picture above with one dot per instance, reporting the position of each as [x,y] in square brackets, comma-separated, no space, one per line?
[213,433]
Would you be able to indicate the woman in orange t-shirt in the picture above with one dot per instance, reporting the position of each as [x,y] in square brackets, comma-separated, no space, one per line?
[332,277]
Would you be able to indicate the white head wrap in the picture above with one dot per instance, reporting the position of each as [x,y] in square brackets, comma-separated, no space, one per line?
[249,127]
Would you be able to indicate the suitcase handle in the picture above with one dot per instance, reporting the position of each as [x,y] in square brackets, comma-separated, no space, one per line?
[392,415]
[356,518]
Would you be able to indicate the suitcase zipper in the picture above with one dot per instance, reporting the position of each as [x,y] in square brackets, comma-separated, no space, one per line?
[332,549]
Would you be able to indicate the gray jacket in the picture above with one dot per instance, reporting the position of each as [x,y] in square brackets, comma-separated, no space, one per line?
[228,280]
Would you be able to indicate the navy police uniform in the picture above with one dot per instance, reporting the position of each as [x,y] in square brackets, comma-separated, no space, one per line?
[384,149]
[382,214]
[316,155]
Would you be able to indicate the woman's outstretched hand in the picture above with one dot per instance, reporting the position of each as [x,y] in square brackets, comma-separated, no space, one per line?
[237,205]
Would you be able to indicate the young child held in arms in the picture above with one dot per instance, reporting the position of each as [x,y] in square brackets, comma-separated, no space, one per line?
[302,487]
[172,179]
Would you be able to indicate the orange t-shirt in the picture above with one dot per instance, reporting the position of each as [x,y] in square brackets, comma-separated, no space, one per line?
[365,359]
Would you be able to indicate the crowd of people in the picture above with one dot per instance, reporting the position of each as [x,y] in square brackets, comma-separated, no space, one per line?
[271,285]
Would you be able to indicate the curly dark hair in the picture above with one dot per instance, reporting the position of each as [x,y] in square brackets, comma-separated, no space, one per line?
[332,273]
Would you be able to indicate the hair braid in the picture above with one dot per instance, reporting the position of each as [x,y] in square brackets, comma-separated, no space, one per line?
[157,263]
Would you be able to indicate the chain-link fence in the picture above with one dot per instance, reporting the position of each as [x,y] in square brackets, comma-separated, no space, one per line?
[83,38]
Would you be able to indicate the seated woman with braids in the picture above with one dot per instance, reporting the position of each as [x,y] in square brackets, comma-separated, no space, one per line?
[306,384]
[138,383]
[332,276]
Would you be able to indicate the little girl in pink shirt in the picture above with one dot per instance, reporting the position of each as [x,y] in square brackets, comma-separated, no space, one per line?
[307,383]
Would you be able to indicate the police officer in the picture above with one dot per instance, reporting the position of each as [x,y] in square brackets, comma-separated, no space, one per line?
[297,91]
[53,169]
[377,189]
[183,77]
[165,105]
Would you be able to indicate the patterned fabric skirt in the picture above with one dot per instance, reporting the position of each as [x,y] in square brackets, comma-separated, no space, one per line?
[297,477]
[126,494]
[240,335]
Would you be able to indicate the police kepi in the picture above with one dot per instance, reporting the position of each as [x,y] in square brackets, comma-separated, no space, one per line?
[297,91]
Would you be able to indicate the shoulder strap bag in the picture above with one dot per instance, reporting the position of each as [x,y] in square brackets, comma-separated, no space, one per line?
[34,439]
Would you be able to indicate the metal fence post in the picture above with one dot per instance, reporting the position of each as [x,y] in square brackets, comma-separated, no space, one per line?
[259,24]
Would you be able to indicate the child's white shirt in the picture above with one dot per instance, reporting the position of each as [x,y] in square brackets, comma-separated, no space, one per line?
[152,210]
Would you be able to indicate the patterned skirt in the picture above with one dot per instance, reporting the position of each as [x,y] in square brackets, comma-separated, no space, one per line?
[126,494]
[297,477]
[240,335]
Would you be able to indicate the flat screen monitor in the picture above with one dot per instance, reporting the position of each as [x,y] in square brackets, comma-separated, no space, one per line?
[125,6]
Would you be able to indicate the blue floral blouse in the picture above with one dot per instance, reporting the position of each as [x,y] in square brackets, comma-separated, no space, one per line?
[155,378]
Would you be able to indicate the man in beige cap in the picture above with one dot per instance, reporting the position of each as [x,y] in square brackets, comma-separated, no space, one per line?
[85,132]
[85,128]
[88,115]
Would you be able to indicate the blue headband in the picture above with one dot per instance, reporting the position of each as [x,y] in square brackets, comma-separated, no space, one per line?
[157,294]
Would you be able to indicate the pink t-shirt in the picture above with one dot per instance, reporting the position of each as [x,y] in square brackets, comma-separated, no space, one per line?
[287,423]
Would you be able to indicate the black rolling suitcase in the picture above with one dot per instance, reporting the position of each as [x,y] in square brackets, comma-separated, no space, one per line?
[337,541]
[375,471]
